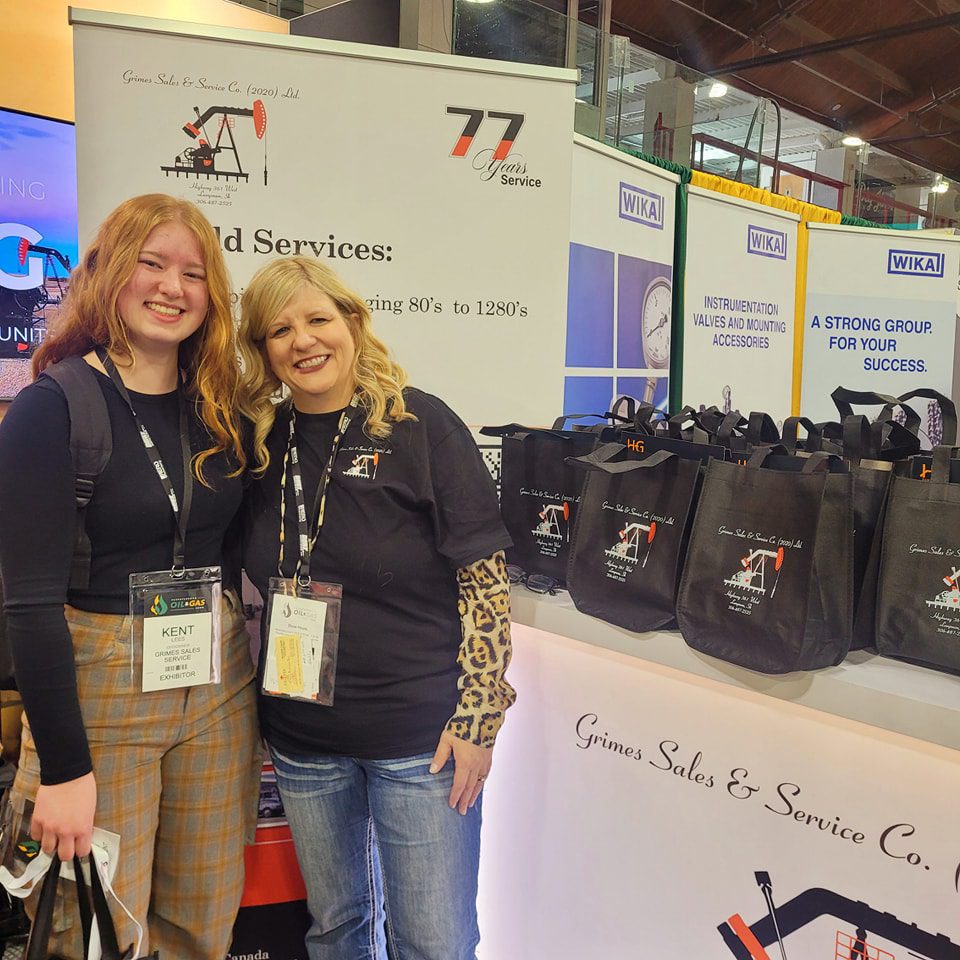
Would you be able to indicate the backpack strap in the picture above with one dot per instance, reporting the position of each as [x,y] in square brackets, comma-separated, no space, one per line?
[91,443]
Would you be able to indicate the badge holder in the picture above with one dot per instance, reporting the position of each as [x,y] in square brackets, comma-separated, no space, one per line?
[176,628]
[301,639]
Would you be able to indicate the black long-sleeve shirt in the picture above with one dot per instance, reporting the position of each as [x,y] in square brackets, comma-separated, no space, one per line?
[131,529]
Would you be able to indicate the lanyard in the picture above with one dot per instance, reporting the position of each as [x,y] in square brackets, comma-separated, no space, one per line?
[291,458]
[181,517]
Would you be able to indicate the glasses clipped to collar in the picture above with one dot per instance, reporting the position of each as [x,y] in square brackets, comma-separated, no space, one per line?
[534,582]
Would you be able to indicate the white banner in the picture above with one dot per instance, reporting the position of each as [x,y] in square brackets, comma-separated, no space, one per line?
[739,305]
[880,315]
[439,187]
[638,812]
[620,280]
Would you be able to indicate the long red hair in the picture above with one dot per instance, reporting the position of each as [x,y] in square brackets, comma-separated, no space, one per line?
[89,316]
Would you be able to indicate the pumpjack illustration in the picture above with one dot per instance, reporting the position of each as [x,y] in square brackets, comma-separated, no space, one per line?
[213,131]
[628,547]
[550,516]
[753,576]
[364,465]
[750,942]
[23,309]
[949,599]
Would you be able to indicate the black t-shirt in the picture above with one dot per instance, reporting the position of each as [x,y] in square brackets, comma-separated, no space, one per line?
[131,528]
[402,515]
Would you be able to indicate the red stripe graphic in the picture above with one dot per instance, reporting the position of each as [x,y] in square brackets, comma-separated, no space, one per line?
[503,148]
[463,145]
[747,938]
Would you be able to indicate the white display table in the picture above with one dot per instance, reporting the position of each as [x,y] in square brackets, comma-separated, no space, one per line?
[885,693]
[642,792]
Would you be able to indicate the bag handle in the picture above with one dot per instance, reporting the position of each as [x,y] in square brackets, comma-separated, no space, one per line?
[816,462]
[695,432]
[519,432]
[858,438]
[948,411]
[942,456]
[791,431]
[761,428]
[600,460]
[844,398]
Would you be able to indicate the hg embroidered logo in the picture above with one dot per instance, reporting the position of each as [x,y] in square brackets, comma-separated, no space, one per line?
[908,263]
[766,243]
[641,206]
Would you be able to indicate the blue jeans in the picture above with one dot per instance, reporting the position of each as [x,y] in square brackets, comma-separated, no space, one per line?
[390,869]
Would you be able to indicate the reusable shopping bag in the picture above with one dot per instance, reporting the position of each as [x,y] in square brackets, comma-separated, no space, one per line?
[766,581]
[630,535]
[918,594]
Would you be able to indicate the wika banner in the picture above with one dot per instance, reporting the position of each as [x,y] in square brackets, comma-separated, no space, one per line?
[880,314]
[637,812]
[739,304]
[438,187]
[620,279]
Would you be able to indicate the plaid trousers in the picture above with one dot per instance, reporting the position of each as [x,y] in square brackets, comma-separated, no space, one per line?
[178,775]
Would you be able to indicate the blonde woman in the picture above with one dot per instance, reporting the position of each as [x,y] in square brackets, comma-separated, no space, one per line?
[172,771]
[382,788]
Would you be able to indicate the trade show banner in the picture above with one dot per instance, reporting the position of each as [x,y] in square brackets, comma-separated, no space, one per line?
[620,279]
[439,187]
[38,236]
[739,304]
[635,811]
[880,314]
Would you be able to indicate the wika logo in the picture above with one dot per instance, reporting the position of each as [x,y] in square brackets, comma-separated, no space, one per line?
[766,243]
[908,263]
[364,466]
[641,206]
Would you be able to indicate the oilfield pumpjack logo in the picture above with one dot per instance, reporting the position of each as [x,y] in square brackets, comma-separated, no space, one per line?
[499,162]
[948,599]
[554,522]
[209,159]
[25,297]
[628,546]
[364,465]
[750,942]
[754,575]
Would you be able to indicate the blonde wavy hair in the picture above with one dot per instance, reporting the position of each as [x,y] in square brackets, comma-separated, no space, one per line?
[89,317]
[380,380]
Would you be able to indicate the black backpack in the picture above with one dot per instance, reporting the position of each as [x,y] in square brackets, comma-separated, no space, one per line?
[91,443]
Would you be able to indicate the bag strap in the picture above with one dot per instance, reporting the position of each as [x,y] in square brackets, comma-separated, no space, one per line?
[948,411]
[600,460]
[844,399]
[91,444]
[791,432]
[110,949]
[761,428]
[37,945]
[942,456]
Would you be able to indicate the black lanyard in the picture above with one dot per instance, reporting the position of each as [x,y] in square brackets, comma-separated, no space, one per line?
[291,457]
[181,517]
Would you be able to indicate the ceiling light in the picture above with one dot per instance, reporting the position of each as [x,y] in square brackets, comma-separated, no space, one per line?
[718,90]
[852,140]
[941,186]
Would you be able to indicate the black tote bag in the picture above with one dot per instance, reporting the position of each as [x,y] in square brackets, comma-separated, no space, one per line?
[918,596]
[630,536]
[766,582]
[540,494]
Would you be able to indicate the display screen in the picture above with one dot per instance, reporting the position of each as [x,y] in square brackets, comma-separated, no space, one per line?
[38,235]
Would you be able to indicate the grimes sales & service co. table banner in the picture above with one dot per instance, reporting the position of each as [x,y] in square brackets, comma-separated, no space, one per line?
[739,304]
[880,314]
[438,187]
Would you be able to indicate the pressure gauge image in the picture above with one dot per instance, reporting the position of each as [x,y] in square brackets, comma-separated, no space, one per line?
[655,321]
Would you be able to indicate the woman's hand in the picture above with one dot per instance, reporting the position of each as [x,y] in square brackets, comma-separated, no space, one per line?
[471,764]
[63,817]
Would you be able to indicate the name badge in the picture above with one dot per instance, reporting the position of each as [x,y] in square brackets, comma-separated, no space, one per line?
[177,650]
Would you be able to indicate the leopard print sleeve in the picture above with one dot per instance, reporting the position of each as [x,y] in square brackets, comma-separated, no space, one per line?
[485,651]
